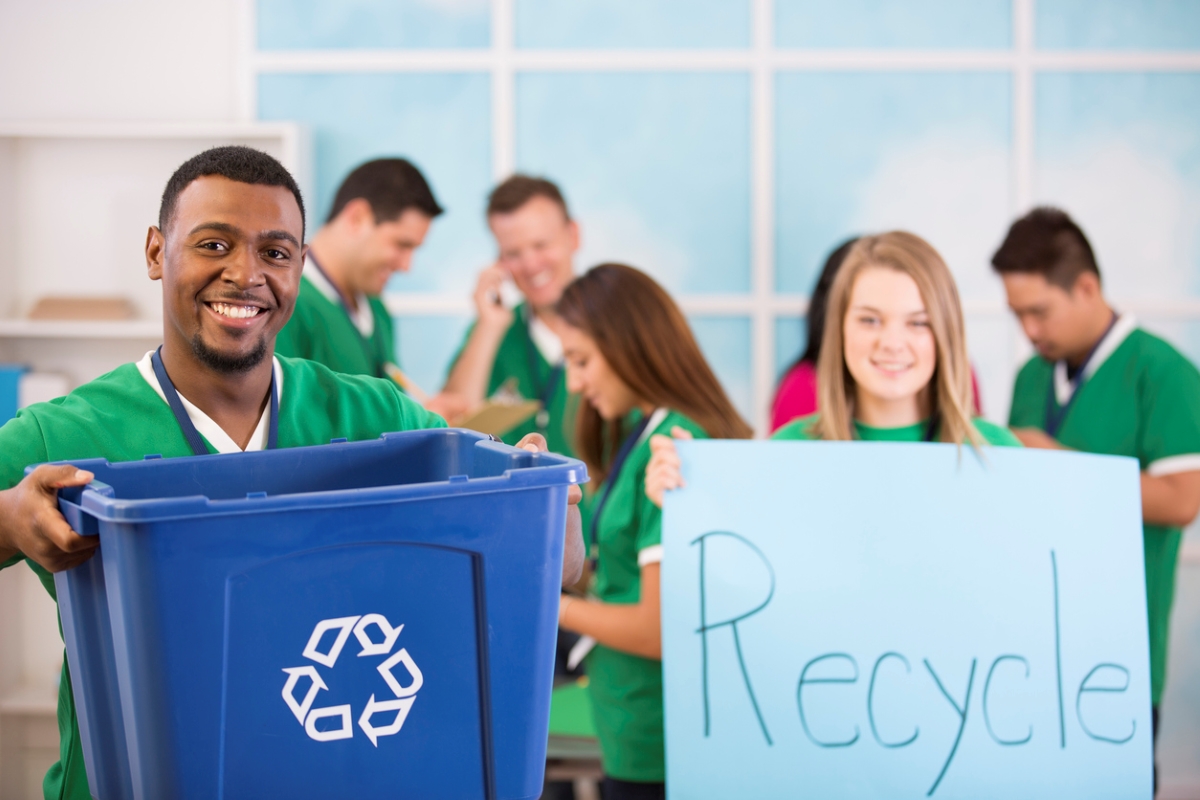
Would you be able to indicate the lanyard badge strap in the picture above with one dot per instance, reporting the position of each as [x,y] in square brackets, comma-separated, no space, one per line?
[1055,415]
[618,464]
[194,439]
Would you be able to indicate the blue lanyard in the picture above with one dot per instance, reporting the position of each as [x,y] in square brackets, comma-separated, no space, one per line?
[931,429]
[366,345]
[614,471]
[545,392]
[194,439]
[1055,417]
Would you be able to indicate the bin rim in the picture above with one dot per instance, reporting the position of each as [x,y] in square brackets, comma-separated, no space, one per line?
[99,501]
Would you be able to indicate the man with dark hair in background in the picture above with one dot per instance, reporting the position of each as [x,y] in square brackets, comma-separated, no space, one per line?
[228,251]
[516,350]
[380,216]
[1101,384]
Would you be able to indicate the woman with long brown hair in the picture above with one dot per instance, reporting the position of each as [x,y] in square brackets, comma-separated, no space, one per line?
[635,364]
[893,365]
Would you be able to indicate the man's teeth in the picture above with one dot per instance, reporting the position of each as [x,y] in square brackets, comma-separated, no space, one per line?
[541,279]
[236,312]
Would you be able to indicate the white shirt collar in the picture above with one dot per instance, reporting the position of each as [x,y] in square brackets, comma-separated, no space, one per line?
[1125,325]
[210,430]
[544,339]
[656,419]
[362,317]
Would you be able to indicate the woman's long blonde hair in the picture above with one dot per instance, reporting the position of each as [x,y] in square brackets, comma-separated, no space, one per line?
[950,399]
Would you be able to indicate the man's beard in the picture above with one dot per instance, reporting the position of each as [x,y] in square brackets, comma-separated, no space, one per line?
[229,365]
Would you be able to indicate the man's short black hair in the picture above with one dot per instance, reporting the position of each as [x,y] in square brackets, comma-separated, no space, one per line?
[235,162]
[517,190]
[391,186]
[1046,241]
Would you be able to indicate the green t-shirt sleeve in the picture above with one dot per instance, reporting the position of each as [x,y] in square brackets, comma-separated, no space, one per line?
[21,444]
[996,435]
[796,430]
[1170,433]
[649,525]
[649,534]
[412,415]
[1028,409]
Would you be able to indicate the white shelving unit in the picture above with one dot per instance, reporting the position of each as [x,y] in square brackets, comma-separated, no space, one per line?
[75,204]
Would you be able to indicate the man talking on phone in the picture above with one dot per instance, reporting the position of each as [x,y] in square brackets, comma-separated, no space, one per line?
[515,351]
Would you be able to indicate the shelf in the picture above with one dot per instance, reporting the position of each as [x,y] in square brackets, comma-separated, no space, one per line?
[148,329]
[28,701]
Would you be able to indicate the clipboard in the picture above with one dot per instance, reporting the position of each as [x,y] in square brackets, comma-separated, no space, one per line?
[496,418]
[505,411]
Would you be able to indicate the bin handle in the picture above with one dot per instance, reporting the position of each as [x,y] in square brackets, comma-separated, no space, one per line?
[81,522]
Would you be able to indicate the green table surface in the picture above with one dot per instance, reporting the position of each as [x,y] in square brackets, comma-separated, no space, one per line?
[571,711]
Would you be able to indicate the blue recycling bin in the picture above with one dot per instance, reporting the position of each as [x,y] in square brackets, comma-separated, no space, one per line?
[10,389]
[371,618]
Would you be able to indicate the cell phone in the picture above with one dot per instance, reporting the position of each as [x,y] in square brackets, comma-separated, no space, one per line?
[509,295]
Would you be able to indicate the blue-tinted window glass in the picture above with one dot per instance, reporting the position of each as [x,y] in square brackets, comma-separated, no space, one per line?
[725,342]
[935,24]
[1121,153]
[632,23]
[655,166]
[1117,24]
[790,339]
[1183,334]
[867,152]
[441,122]
[316,24]
[426,344]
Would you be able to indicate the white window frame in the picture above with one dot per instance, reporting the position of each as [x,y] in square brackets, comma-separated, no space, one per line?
[762,305]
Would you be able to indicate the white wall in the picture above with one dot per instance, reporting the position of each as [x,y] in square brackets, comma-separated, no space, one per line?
[119,60]
[92,61]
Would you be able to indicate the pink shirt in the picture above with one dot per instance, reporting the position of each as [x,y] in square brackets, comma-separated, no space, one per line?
[797,396]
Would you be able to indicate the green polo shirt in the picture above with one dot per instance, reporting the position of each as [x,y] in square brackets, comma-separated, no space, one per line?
[120,417]
[800,429]
[626,690]
[321,330]
[520,364]
[1139,397]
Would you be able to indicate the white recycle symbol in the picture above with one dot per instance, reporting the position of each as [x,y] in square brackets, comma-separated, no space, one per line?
[405,696]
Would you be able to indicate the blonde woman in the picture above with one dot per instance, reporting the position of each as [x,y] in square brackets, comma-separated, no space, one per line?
[893,364]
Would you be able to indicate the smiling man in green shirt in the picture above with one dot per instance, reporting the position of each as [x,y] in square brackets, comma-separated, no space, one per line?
[1101,384]
[380,216]
[516,350]
[227,250]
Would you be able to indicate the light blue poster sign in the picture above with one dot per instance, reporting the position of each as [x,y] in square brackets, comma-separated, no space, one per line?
[870,620]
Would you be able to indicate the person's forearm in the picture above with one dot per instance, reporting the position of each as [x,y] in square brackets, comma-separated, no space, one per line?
[7,548]
[470,375]
[632,628]
[573,554]
[1170,500]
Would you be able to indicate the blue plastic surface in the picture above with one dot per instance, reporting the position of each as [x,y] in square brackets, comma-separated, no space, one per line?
[375,618]
[10,385]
